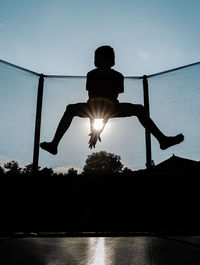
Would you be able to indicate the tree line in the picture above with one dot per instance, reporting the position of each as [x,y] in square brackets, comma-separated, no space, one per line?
[96,163]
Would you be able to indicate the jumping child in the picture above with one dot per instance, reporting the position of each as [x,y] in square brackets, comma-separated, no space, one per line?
[104,85]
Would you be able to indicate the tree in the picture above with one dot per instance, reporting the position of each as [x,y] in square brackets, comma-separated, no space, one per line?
[1,171]
[101,162]
[27,169]
[46,171]
[13,167]
[72,172]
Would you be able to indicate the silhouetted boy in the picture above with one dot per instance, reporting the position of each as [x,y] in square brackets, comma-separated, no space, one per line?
[104,85]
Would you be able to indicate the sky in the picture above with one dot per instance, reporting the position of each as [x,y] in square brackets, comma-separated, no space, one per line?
[59,37]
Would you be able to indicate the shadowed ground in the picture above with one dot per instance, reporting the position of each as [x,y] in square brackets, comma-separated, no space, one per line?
[140,250]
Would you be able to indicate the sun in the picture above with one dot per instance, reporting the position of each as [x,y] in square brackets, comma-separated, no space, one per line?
[98,124]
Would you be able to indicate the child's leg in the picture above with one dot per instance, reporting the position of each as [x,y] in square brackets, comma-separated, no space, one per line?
[128,109]
[72,110]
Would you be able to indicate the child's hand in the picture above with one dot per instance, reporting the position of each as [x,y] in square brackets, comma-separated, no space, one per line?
[94,136]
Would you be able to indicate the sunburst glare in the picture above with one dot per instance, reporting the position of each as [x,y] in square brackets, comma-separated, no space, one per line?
[98,124]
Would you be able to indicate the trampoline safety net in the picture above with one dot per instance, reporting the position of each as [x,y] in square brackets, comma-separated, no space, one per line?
[174,106]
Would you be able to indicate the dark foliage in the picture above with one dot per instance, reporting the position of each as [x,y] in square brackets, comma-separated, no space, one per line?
[144,200]
[103,162]
[12,167]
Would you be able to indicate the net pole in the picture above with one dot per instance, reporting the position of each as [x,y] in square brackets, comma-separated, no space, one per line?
[147,132]
[38,124]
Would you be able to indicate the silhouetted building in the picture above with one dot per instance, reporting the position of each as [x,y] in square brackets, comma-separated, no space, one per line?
[177,163]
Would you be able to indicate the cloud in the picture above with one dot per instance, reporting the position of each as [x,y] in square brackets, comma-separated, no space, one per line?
[66,168]
[144,55]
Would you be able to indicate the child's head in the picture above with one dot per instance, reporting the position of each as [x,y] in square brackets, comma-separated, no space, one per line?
[104,57]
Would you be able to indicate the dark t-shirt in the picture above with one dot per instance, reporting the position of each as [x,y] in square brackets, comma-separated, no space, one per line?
[105,83]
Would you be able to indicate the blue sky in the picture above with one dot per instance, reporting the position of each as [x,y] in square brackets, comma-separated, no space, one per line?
[59,37]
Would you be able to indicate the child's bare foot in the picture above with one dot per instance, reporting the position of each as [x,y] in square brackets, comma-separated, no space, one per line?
[49,147]
[171,140]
